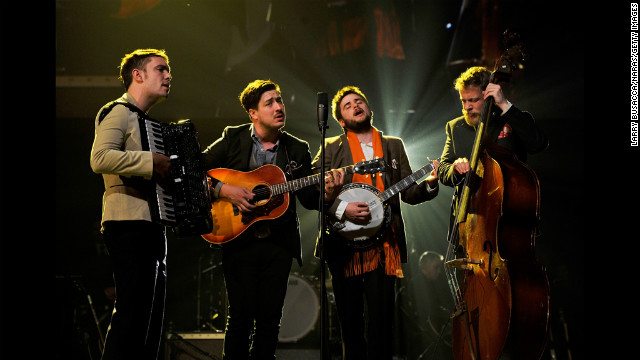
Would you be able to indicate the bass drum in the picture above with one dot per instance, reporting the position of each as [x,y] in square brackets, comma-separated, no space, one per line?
[300,311]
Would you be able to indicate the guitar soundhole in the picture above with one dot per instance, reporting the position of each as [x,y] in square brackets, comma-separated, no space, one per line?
[262,195]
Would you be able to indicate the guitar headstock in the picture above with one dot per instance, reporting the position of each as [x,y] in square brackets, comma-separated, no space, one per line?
[370,166]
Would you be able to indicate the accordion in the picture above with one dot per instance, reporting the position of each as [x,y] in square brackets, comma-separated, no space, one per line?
[182,201]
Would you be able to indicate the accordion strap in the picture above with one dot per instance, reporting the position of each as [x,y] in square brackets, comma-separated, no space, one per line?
[107,109]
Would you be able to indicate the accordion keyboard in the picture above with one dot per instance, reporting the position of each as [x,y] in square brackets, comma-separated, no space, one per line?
[183,200]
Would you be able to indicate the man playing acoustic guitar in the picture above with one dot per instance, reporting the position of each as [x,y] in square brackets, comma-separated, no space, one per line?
[257,263]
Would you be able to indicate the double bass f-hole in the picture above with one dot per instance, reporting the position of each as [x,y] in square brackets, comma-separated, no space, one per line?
[489,250]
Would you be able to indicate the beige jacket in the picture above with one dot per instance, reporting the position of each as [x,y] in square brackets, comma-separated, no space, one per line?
[117,155]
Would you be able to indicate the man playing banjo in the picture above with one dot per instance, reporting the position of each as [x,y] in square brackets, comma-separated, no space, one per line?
[365,275]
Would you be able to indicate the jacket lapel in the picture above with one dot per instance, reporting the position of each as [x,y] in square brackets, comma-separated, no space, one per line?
[282,155]
[246,146]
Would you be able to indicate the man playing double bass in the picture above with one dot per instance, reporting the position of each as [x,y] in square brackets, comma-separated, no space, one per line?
[508,131]
[510,127]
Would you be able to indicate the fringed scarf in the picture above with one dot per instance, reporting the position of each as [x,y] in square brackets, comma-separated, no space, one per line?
[364,261]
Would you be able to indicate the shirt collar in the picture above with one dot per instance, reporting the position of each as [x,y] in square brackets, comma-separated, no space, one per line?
[257,141]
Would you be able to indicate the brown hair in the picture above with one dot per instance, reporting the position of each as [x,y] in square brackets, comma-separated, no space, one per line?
[250,96]
[137,60]
[337,98]
[474,76]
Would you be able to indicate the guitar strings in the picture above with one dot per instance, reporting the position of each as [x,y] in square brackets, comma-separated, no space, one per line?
[262,191]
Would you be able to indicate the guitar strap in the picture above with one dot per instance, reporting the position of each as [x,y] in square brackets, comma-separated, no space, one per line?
[291,164]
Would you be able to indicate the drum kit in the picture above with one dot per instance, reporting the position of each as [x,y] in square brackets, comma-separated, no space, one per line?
[300,313]
[211,297]
[301,309]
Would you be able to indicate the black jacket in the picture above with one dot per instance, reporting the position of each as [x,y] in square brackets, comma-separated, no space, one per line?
[525,138]
[233,151]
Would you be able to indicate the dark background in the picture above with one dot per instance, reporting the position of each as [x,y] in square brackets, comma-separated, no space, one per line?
[217,47]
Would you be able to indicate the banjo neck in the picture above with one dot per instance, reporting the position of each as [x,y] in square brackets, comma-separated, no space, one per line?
[406,182]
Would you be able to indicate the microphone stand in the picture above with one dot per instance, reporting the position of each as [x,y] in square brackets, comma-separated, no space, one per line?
[322,126]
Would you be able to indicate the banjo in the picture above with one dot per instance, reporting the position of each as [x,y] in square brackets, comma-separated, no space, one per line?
[360,235]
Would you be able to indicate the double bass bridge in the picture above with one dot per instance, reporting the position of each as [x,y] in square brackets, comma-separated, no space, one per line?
[463,263]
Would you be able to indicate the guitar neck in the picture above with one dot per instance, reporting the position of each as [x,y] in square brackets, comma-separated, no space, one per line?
[405,183]
[300,183]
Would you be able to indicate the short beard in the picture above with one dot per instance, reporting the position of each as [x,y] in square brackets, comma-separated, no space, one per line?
[358,127]
[472,118]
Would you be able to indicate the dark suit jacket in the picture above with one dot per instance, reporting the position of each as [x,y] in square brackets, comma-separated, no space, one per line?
[525,138]
[338,154]
[233,151]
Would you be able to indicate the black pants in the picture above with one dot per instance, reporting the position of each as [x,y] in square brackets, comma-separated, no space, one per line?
[256,276]
[138,251]
[378,291]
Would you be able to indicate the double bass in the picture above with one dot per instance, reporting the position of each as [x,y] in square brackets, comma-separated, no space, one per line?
[500,292]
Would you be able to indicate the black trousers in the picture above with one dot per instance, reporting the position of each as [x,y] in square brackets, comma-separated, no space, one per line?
[377,291]
[138,251]
[256,276]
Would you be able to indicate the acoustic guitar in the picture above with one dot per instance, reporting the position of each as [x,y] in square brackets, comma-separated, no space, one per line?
[271,190]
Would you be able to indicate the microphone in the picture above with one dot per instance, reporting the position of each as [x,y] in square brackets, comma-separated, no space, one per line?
[323,110]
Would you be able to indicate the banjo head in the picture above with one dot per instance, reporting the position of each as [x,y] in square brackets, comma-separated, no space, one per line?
[362,235]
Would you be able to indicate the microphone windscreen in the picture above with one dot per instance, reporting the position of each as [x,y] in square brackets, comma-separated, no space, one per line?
[323,109]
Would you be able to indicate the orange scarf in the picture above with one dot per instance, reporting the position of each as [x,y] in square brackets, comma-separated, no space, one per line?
[369,260]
